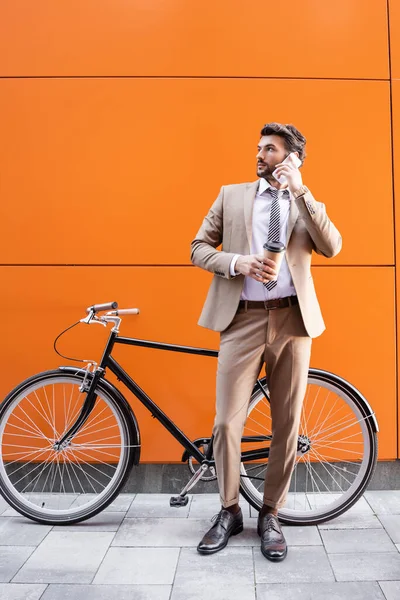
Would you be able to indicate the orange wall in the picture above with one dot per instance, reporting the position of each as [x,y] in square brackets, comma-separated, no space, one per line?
[121,120]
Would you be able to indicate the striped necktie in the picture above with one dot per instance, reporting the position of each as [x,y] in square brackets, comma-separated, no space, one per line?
[274,229]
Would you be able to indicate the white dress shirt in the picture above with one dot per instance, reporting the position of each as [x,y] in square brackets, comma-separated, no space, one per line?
[252,289]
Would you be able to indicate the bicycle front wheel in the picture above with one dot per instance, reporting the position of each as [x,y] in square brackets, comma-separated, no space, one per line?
[337,451]
[68,485]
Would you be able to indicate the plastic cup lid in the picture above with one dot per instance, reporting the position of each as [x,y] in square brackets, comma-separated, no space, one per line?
[274,246]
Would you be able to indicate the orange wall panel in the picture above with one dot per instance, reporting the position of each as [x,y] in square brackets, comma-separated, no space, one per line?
[312,38]
[394,21]
[121,120]
[396,167]
[122,171]
[359,343]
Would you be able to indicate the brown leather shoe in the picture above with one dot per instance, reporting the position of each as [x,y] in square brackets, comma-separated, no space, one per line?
[225,525]
[273,543]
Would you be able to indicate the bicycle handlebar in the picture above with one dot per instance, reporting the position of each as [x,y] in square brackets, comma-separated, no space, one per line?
[125,311]
[100,307]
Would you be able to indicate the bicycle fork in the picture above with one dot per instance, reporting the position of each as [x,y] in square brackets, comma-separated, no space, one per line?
[87,406]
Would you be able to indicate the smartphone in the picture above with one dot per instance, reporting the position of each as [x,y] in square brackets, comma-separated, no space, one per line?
[290,158]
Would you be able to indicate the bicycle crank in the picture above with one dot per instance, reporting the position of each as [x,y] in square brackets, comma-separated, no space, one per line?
[209,474]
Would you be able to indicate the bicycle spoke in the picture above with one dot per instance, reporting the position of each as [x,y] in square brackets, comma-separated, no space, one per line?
[91,423]
[327,416]
[102,429]
[22,466]
[79,465]
[79,452]
[34,429]
[338,426]
[37,476]
[314,453]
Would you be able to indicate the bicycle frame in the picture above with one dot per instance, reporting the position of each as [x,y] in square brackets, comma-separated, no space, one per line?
[108,362]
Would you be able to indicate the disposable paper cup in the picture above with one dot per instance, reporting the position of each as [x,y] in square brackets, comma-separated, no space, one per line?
[275,251]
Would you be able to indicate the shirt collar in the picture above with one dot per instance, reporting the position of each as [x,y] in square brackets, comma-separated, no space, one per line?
[264,185]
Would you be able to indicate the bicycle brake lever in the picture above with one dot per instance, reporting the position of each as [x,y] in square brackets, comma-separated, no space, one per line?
[92,319]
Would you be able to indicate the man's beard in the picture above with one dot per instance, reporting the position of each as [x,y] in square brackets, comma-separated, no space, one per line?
[264,171]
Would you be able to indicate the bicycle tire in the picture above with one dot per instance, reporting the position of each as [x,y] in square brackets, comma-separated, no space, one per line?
[323,511]
[114,409]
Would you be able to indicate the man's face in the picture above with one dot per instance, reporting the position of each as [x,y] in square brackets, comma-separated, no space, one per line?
[271,151]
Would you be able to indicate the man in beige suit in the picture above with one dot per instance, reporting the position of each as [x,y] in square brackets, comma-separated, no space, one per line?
[262,321]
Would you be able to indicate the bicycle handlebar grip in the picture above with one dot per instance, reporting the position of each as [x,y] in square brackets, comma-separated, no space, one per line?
[128,311]
[99,307]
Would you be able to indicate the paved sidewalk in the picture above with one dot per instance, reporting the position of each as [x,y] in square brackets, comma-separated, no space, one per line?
[142,549]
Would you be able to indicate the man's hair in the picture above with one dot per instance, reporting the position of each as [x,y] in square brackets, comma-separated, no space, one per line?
[294,141]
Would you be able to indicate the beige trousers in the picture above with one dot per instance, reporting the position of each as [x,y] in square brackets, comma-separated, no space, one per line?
[254,337]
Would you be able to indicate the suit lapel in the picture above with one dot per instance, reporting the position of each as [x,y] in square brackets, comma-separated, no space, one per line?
[249,195]
[293,214]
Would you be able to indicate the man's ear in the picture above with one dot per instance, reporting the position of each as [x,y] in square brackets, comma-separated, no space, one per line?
[297,154]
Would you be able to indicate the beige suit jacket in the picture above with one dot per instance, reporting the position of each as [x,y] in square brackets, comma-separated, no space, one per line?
[229,222]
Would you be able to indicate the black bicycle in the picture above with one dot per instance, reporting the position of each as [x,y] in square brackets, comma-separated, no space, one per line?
[69,439]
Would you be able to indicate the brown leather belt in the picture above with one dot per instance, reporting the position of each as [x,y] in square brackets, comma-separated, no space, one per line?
[269,304]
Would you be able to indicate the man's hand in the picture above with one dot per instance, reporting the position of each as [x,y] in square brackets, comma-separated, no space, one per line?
[292,173]
[257,267]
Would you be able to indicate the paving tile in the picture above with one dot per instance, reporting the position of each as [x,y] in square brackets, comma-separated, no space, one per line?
[320,591]
[361,507]
[104,521]
[188,533]
[233,565]
[248,537]
[56,501]
[138,565]
[253,513]
[303,564]
[306,501]
[384,502]
[121,503]
[204,506]
[302,536]
[107,592]
[11,560]
[21,591]
[352,521]
[161,532]
[66,557]
[156,505]
[51,500]
[392,525]
[223,592]
[391,589]
[298,501]
[3,505]
[18,531]
[10,512]
[356,540]
[295,536]
[366,567]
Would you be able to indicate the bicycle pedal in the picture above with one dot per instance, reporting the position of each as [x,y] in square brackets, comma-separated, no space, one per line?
[178,501]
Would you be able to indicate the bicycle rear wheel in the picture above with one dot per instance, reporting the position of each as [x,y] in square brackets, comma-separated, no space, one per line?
[336,456]
[76,482]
